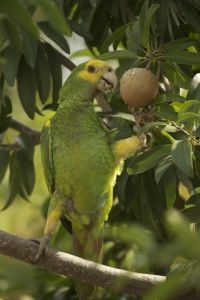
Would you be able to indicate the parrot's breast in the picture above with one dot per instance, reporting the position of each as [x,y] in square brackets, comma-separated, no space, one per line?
[84,165]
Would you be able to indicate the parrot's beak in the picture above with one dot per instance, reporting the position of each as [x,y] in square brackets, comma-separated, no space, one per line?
[107,81]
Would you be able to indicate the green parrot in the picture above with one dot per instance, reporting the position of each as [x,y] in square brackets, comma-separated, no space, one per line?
[81,162]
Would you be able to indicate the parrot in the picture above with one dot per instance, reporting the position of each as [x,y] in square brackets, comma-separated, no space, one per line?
[81,162]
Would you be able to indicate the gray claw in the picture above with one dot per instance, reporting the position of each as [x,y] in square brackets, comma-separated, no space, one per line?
[43,247]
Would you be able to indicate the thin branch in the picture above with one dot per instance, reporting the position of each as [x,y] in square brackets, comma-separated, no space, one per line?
[78,268]
[35,135]
[65,61]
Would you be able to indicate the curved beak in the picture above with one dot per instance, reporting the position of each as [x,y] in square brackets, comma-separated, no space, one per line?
[107,81]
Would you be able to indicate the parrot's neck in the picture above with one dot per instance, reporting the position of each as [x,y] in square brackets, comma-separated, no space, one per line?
[76,96]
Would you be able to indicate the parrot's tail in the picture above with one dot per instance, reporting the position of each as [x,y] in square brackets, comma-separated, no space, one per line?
[88,244]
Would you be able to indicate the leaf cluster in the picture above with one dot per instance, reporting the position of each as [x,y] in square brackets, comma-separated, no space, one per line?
[163,36]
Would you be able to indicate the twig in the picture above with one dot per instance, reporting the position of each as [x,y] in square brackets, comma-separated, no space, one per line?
[35,135]
[78,268]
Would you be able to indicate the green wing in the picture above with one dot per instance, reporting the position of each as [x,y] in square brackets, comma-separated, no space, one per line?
[46,154]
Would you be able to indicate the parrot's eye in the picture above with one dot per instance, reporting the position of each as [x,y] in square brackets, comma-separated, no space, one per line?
[92,69]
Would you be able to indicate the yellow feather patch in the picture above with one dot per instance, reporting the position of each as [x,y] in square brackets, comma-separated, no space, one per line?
[101,68]
[47,124]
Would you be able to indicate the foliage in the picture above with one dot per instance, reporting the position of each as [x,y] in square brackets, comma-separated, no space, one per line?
[161,35]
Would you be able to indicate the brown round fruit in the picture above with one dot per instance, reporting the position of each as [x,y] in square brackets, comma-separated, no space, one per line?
[138,87]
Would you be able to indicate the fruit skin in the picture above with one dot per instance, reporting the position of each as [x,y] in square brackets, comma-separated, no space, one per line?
[138,87]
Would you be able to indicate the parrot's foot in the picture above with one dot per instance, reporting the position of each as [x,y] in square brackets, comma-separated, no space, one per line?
[43,246]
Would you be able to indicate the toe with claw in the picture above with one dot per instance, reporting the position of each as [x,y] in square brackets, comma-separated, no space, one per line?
[43,247]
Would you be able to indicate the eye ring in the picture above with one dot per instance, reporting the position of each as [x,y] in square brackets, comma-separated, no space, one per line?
[92,69]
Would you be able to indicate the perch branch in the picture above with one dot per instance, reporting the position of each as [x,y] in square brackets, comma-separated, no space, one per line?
[78,268]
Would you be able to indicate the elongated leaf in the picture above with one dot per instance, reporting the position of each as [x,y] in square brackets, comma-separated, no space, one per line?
[183,57]
[10,67]
[55,16]
[56,71]
[161,136]
[26,88]
[189,106]
[175,74]
[163,16]
[180,44]
[4,161]
[192,209]
[188,116]
[143,14]
[26,169]
[42,74]
[118,54]
[13,34]
[29,48]
[168,97]
[170,185]
[147,23]
[195,82]
[182,156]
[14,181]
[162,167]
[190,14]
[148,159]
[54,35]
[115,36]
[166,111]
[18,13]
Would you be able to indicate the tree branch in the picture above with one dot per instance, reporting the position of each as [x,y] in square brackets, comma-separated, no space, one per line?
[78,268]
[35,135]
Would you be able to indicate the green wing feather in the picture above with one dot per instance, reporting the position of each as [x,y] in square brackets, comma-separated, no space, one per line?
[46,154]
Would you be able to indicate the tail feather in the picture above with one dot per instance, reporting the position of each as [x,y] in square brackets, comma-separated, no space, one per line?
[87,243]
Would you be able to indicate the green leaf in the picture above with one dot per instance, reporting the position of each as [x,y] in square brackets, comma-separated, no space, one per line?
[42,74]
[180,44]
[161,136]
[55,16]
[188,116]
[192,209]
[29,48]
[182,156]
[163,16]
[4,161]
[149,126]
[118,54]
[26,170]
[54,35]
[183,57]
[14,181]
[194,84]
[3,61]
[26,87]
[13,34]
[18,13]
[115,36]
[133,35]
[56,71]
[146,23]
[162,167]
[148,159]
[190,13]
[168,97]
[175,75]
[189,106]
[169,180]
[166,111]
[10,67]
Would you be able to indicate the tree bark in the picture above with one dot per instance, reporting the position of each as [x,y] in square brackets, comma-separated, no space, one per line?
[78,268]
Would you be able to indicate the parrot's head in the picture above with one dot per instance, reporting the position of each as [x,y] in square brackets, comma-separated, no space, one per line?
[92,78]
[99,74]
